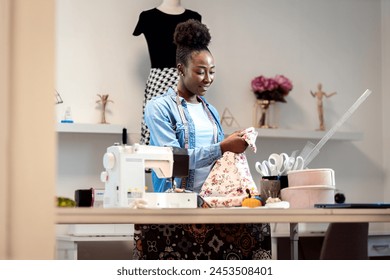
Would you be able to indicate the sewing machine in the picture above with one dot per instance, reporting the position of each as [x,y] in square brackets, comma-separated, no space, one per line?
[124,176]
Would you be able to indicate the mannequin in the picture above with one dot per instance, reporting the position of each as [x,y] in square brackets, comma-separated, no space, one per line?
[320,95]
[158,25]
[172,7]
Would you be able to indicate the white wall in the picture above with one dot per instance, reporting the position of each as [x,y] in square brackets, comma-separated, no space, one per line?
[335,42]
[386,92]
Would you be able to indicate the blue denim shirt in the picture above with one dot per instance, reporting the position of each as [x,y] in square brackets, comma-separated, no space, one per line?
[166,129]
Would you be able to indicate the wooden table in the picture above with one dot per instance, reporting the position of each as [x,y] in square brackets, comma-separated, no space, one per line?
[222,215]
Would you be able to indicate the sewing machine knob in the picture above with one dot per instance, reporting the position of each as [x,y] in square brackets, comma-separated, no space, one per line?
[104,176]
[108,160]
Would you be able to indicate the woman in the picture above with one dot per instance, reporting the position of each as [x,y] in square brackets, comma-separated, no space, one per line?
[182,117]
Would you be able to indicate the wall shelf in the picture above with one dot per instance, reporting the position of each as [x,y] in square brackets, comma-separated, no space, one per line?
[302,134]
[263,133]
[89,128]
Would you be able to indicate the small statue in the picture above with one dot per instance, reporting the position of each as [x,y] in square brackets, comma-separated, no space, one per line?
[104,100]
[320,94]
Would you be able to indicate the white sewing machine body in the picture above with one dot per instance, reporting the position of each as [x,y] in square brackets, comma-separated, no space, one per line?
[125,166]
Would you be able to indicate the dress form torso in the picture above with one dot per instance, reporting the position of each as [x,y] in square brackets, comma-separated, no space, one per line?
[172,7]
[158,28]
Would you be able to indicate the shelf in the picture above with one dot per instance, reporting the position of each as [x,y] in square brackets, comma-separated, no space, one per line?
[302,134]
[89,128]
[263,133]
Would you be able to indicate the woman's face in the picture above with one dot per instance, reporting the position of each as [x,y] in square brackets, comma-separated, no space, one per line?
[199,74]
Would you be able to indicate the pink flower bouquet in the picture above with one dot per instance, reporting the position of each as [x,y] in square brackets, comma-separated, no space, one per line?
[271,88]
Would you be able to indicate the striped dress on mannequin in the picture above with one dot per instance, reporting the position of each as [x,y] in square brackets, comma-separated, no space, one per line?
[158,28]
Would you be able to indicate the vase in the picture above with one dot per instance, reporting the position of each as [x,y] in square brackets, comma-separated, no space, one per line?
[273,114]
[261,113]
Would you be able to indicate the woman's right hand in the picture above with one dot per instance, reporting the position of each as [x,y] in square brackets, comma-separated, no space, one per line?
[234,143]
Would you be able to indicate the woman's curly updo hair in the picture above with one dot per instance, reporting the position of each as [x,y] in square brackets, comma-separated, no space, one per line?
[190,36]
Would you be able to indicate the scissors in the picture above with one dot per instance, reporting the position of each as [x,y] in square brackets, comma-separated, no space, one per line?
[275,165]
[299,163]
[263,168]
[294,164]
[279,164]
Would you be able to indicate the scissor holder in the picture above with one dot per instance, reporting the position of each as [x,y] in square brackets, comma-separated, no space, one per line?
[308,187]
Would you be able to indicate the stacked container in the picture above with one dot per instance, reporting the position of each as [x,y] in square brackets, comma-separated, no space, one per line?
[308,187]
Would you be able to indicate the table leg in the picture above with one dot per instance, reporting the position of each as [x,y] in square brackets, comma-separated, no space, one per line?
[66,250]
[274,248]
[294,237]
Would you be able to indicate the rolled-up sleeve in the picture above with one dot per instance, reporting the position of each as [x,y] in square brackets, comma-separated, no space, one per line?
[204,156]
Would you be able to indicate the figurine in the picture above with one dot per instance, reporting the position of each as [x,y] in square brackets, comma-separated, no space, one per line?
[104,100]
[320,94]
[58,98]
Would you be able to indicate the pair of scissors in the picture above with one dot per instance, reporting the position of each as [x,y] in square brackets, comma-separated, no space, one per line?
[279,164]
[263,168]
[275,165]
[294,164]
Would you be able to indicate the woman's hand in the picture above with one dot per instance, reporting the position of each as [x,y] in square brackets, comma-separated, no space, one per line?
[234,143]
